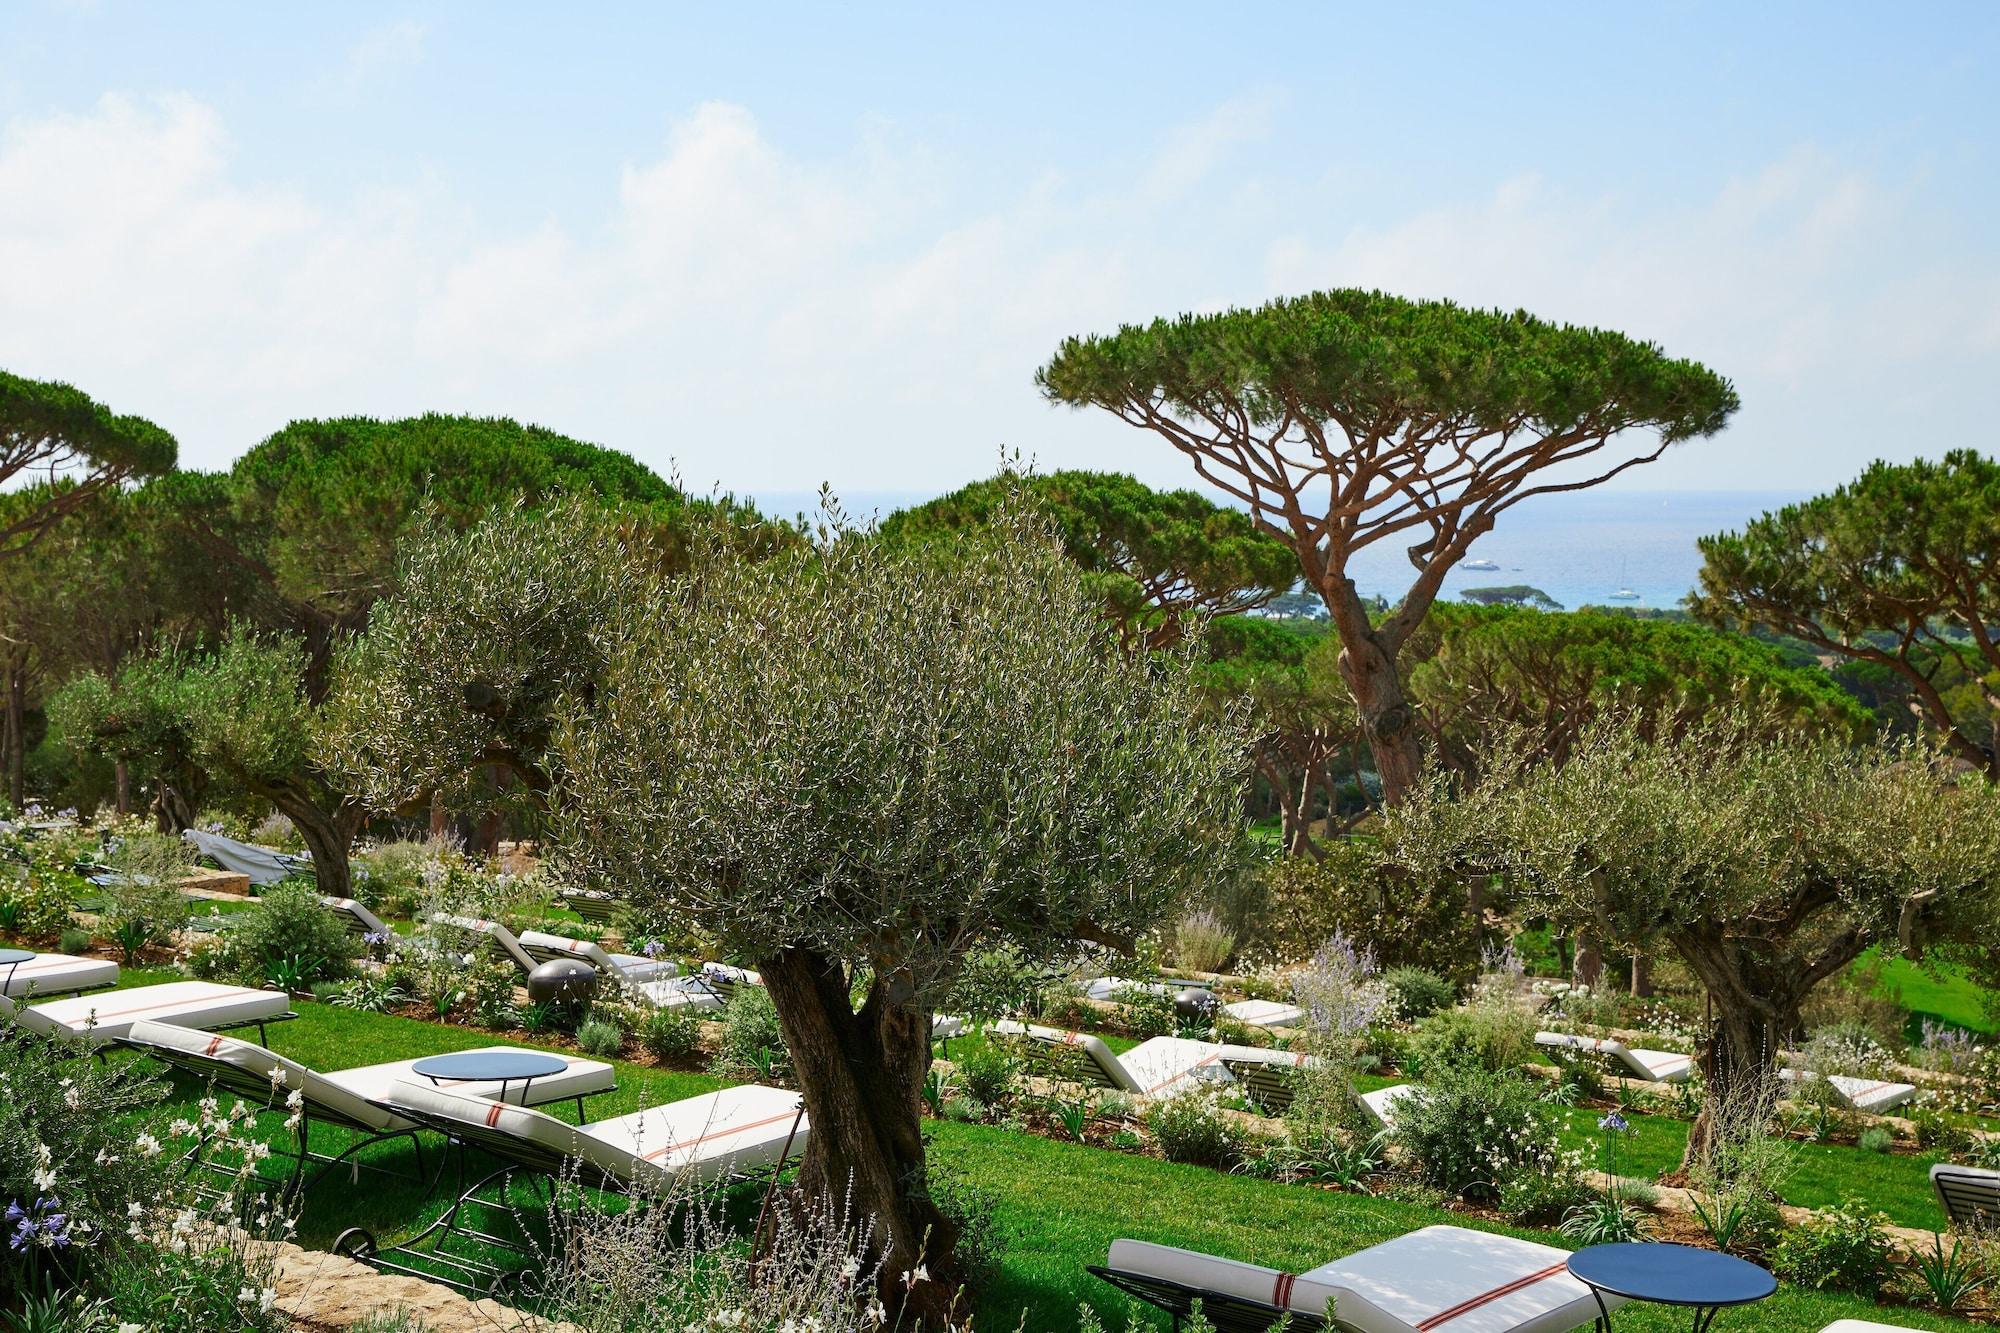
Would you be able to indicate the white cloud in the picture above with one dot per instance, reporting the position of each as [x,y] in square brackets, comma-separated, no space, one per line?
[771,321]
[389,46]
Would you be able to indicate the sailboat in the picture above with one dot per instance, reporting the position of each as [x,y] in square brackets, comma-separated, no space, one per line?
[1480,564]
[1624,593]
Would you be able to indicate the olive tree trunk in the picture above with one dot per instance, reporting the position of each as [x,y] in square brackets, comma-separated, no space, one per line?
[862,1075]
[328,830]
[1758,999]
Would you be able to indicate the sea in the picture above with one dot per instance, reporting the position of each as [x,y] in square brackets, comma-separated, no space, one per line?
[1581,548]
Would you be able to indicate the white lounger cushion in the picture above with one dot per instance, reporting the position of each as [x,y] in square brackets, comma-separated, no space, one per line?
[1161,1066]
[1153,1068]
[352,1093]
[946,1026]
[1654,1066]
[1866,1326]
[1117,988]
[1860,1094]
[633,967]
[1460,1281]
[59,974]
[1265,1013]
[187,1004]
[699,1140]
[1441,1278]
[1380,1105]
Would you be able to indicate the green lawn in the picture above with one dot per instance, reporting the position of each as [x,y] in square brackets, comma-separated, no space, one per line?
[1946,995]
[1063,1204]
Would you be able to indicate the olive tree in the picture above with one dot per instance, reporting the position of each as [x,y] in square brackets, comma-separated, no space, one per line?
[1347,418]
[1768,864]
[853,765]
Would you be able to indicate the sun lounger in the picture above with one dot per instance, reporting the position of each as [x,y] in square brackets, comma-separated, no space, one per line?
[482,936]
[58,974]
[204,1005]
[1969,1195]
[632,969]
[1120,988]
[1871,1096]
[591,905]
[1443,1278]
[662,1152]
[710,988]
[1151,1069]
[1271,1078]
[1866,1326]
[1265,1013]
[351,1099]
[359,920]
[1653,1066]
[264,865]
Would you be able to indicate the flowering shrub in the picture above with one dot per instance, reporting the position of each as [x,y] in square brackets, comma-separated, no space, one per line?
[288,939]
[1482,1129]
[1484,1036]
[1190,1126]
[751,1045]
[67,1166]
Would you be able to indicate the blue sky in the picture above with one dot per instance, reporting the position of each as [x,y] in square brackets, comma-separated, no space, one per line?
[769,246]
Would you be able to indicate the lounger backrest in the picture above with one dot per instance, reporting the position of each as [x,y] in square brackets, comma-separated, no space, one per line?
[592,906]
[58,974]
[488,934]
[360,921]
[1272,1077]
[1244,1295]
[1970,1195]
[517,1134]
[255,1073]
[28,1020]
[1078,1054]
[544,947]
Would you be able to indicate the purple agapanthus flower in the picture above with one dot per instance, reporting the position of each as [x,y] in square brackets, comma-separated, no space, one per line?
[375,937]
[43,1223]
[1613,1124]
[653,949]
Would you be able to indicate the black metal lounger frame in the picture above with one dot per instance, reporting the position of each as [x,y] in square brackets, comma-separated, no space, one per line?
[268,1098]
[1227,1314]
[516,1155]
[1971,1198]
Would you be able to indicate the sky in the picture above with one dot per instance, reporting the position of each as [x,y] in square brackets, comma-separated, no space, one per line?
[762,247]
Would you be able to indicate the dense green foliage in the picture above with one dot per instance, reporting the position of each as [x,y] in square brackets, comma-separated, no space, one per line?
[1899,571]
[1346,418]
[1768,865]
[853,765]
[55,429]
[1154,557]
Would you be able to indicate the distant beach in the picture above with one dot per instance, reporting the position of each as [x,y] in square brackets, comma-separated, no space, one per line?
[1579,548]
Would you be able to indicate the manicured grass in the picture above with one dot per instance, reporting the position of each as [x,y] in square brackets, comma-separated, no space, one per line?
[1943,994]
[1060,1204]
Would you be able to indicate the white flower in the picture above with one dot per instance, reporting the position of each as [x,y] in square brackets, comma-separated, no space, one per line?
[266,1299]
[135,1209]
[849,1268]
[147,1145]
[45,1180]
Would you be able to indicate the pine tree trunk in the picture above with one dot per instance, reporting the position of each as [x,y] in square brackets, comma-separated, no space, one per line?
[862,1074]
[1589,961]
[121,777]
[1387,720]
[16,740]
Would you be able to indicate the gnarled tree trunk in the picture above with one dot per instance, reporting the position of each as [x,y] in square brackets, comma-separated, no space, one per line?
[862,1075]
[327,833]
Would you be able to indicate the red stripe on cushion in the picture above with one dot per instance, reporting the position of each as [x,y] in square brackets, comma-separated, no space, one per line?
[720,1133]
[1281,1290]
[1478,1302]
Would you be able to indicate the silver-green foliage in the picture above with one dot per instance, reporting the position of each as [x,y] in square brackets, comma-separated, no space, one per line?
[893,758]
